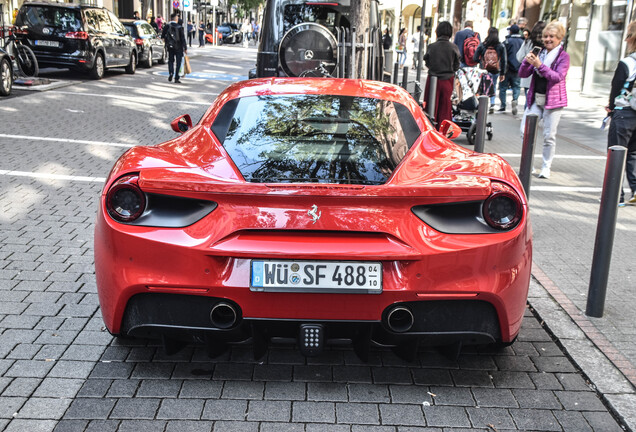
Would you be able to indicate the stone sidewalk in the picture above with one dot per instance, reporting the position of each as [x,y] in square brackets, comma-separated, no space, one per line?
[564,211]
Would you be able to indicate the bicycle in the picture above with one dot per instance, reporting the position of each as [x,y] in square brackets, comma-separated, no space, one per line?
[25,64]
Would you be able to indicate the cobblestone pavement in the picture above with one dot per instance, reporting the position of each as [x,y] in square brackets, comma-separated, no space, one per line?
[60,370]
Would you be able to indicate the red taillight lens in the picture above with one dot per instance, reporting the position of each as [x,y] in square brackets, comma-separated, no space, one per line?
[139,41]
[76,35]
[503,209]
[125,201]
[20,31]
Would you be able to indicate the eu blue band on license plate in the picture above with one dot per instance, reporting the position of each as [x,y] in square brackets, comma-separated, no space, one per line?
[363,277]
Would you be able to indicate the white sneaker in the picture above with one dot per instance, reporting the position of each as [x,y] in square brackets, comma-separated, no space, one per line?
[545,173]
[514,107]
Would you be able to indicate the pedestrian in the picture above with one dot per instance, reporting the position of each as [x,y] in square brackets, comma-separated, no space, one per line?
[522,23]
[136,15]
[387,40]
[247,31]
[491,55]
[401,49]
[467,42]
[190,33]
[535,39]
[511,76]
[175,40]
[442,61]
[257,30]
[159,21]
[622,109]
[547,95]
[415,39]
[201,34]
[153,24]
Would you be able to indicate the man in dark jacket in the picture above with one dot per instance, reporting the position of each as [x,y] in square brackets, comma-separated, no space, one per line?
[511,77]
[460,38]
[174,36]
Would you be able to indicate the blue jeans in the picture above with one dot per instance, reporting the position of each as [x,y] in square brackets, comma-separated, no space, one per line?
[495,79]
[172,54]
[622,132]
[511,81]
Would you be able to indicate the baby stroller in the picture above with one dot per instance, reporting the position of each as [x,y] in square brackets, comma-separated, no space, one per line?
[470,82]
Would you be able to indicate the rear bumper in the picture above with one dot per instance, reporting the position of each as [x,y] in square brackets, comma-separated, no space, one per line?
[187,317]
[81,62]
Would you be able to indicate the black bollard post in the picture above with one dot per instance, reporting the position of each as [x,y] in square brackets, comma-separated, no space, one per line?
[527,151]
[605,228]
[482,118]
[432,98]
[396,72]
[405,77]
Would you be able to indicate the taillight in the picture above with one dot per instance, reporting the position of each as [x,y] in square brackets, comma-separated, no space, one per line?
[20,31]
[502,209]
[125,201]
[139,41]
[76,35]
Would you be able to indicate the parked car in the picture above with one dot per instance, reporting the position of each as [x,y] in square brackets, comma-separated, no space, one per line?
[150,46]
[230,32]
[6,73]
[86,38]
[300,38]
[316,210]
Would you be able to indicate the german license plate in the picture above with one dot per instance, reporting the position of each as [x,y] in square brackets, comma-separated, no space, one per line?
[316,276]
[47,43]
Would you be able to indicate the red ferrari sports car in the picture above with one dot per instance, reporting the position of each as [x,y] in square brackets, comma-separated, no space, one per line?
[313,210]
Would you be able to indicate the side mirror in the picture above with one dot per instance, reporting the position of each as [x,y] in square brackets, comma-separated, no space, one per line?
[181,124]
[450,130]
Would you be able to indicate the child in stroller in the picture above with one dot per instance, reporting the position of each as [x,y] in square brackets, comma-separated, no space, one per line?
[470,83]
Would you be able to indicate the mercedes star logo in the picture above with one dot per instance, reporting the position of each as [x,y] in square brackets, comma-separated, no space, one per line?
[309,54]
[315,216]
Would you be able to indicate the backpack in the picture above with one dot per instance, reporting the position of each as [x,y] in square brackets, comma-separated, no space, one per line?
[491,60]
[470,47]
[172,36]
[627,98]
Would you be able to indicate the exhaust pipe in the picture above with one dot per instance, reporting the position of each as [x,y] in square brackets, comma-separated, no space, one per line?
[400,319]
[223,315]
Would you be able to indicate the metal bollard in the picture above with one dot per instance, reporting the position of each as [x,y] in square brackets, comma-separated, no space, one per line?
[396,72]
[482,118]
[605,229]
[405,77]
[527,151]
[432,97]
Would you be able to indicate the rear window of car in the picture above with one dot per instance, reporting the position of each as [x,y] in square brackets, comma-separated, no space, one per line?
[146,30]
[328,16]
[39,17]
[315,138]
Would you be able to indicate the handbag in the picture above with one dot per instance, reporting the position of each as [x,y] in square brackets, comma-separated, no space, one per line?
[186,65]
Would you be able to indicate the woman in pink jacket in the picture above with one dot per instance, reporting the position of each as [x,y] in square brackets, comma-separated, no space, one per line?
[547,94]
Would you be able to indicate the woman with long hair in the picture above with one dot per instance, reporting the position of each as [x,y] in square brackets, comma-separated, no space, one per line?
[401,50]
[535,39]
[442,61]
[491,55]
[547,95]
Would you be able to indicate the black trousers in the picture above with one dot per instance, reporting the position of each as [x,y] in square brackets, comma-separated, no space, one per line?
[174,54]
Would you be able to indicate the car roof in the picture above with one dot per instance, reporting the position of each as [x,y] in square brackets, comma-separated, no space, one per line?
[61,5]
[132,21]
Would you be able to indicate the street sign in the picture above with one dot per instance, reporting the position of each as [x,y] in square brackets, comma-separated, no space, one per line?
[187,5]
[176,4]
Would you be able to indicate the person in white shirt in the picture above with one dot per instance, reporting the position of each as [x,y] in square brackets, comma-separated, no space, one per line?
[416,46]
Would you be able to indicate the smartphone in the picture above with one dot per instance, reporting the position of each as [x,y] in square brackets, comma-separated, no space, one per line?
[536,50]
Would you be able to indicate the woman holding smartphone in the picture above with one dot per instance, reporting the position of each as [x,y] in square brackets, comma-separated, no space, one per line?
[547,94]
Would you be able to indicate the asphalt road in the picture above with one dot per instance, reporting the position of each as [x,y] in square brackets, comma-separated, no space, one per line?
[60,370]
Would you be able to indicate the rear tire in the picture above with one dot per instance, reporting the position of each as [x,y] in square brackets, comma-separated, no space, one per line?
[471,134]
[148,63]
[132,66]
[97,72]
[27,63]
[6,77]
